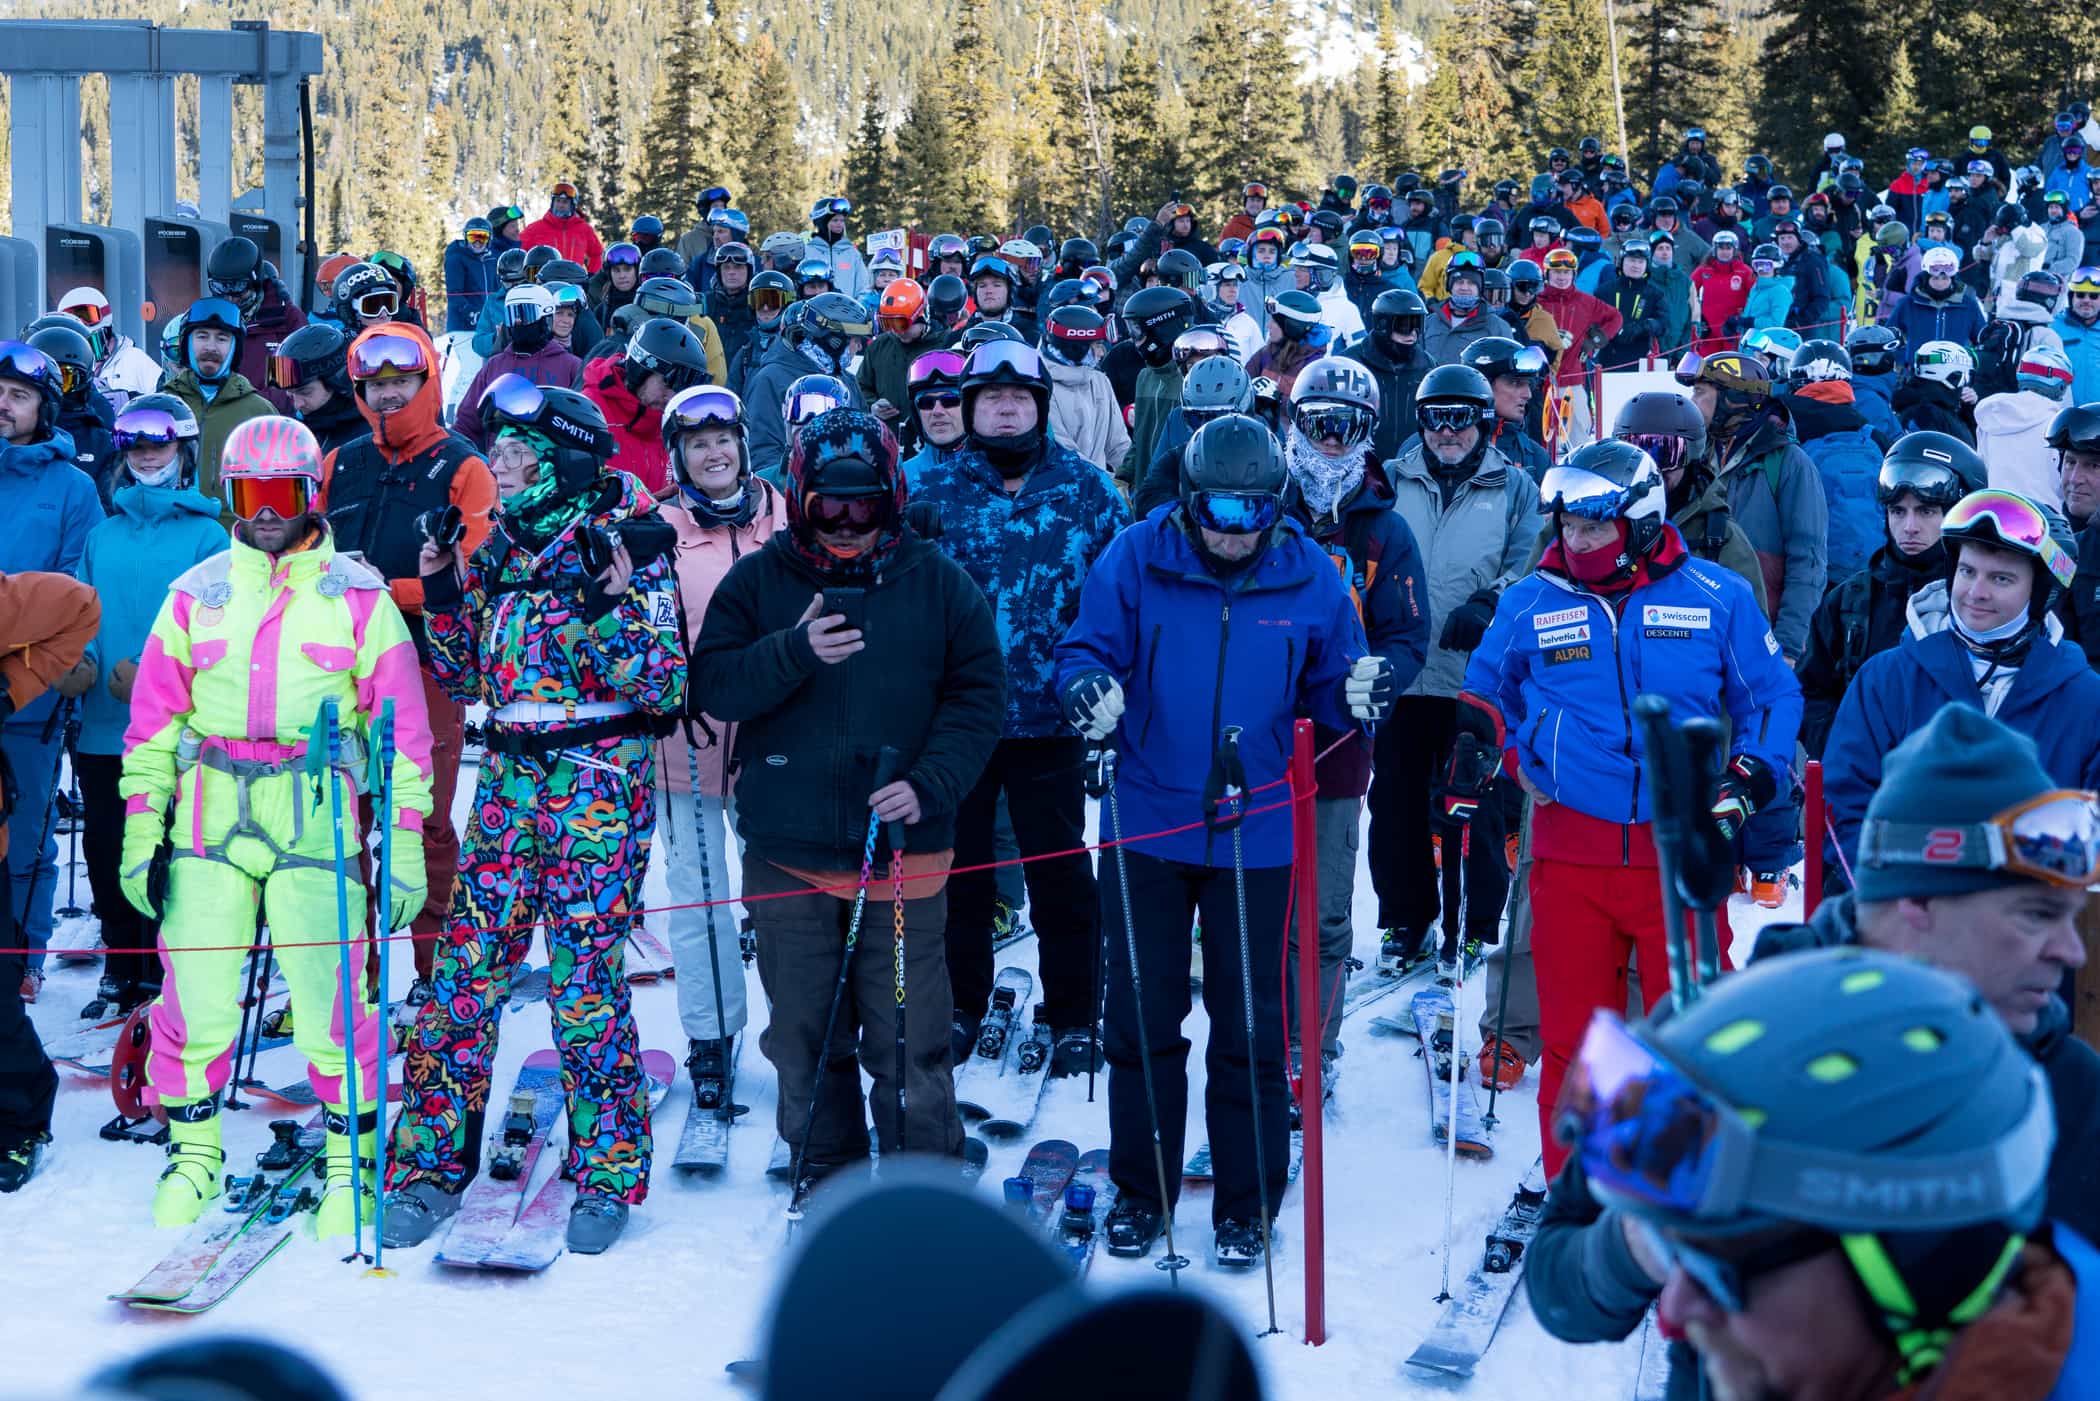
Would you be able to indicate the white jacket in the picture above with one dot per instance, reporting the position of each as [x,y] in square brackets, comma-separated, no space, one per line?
[1341,316]
[1244,332]
[1084,415]
[128,373]
[2012,432]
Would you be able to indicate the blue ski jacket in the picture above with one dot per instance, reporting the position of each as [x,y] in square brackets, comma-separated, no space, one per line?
[51,507]
[1194,654]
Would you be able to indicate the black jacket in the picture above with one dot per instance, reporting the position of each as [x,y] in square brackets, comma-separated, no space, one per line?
[931,683]
[1583,1282]
[1396,393]
[337,424]
[1862,615]
[734,320]
[1926,405]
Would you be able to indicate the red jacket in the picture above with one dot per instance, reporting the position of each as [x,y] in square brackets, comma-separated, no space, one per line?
[1723,288]
[638,431]
[1577,314]
[573,238]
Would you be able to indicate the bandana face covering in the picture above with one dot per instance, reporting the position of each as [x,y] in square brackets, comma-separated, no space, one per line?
[1596,566]
[1324,481]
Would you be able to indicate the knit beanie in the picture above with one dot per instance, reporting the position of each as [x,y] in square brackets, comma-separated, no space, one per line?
[1961,770]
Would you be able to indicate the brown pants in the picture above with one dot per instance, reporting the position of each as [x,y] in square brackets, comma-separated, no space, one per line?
[800,939]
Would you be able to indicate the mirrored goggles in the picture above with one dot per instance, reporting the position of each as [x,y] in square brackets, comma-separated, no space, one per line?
[149,425]
[2054,837]
[26,361]
[372,357]
[705,406]
[936,366]
[623,255]
[1584,494]
[1352,423]
[87,313]
[1022,360]
[2017,521]
[801,408]
[287,496]
[514,397]
[1235,512]
[1446,418]
[1669,451]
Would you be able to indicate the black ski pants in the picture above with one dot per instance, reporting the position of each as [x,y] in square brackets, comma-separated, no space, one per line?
[132,939]
[1410,761]
[28,1084]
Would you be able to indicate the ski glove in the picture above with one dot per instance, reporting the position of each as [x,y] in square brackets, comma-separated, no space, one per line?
[1466,778]
[143,833]
[1747,784]
[1468,622]
[407,885]
[1369,688]
[1094,704]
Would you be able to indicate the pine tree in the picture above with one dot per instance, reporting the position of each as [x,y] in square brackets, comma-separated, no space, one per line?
[1218,120]
[929,176]
[1734,100]
[1468,118]
[684,143]
[1565,74]
[973,92]
[1834,59]
[770,151]
[871,175]
[1674,70]
[1387,149]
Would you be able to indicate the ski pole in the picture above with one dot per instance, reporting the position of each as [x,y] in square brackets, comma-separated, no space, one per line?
[267,955]
[1261,1156]
[831,1019]
[326,721]
[1100,773]
[891,762]
[1501,1023]
[726,1109]
[72,908]
[1174,1264]
[1664,750]
[382,812]
[249,1012]
[1458,1005]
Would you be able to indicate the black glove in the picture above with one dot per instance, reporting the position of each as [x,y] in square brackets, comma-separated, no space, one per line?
[1466,778]
[1468,622]
[1747,785]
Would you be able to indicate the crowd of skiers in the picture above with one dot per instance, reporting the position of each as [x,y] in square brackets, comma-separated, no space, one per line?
[862,562]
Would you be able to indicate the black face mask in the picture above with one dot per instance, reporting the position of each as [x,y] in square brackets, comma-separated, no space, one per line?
[532,336]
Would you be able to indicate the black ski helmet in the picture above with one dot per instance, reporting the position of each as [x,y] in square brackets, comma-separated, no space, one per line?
[1818,361]
[946,296]
[540,254]
[235,271]
[1937,468]
[1180,268]
[662,262]
[510,266]
[576,426]
[1654,419]
[1873,349]
[1005,362]
[832,321]
[665,347]
[1396,309]
[66,346]
[2076,429]
[1458,384]
[1154,316]
[316,351]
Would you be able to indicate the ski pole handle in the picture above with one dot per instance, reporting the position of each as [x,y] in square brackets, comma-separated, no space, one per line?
[889,767]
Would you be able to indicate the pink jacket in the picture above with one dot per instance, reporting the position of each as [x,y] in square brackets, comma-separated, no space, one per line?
[704,556]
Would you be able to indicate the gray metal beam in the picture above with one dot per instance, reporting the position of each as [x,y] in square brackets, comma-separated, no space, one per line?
[214,147]
[136,46]
[142,147]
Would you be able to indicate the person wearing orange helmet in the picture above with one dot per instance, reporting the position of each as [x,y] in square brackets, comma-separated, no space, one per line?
[564,227]
[905,333]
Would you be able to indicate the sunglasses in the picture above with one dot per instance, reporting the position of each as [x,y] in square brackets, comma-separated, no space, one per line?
[136,426]
[845,513]
[705,406]
[287,497]
[2016,521]
[937,399]
[372,356]
[1234,512]
[1446,418]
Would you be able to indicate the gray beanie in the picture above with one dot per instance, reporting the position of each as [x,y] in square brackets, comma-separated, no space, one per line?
[1963,768]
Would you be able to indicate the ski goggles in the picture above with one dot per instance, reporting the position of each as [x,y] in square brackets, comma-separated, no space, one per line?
[379,304]
[769,301]
[287,496]
[1669,451]
[567,296]
[1024,361]
[478,238]
[1930,482]
[1351,423]
[286,372]
[1583,494]
[136,426]
[2053,837]
[1658,1145]
[24,361]
[2085,282]
[87,313]
[1559,260]
[563,189]
[625,255]
[1447,418]
[1725,1267]
[1235,512]
[1200,343]
[704,406]
[514,397]
[936,367]
[378,357]
[2014,520]
[845,512]
[801,408]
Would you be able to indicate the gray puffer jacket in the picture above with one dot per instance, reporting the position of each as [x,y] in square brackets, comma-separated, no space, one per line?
[1481,540]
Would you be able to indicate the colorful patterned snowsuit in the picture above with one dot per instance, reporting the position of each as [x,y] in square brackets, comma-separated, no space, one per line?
[560,838]
[237,664]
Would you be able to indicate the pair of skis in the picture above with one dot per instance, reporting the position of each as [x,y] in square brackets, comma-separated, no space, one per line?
[254,1219]
[1002,1080]
[1067,1194]
[497,1227]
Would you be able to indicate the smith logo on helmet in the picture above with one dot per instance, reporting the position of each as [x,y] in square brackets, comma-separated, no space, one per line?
[557,421]
[1829,1187]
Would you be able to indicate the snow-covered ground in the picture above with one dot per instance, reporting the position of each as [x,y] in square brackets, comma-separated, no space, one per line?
[687,1290]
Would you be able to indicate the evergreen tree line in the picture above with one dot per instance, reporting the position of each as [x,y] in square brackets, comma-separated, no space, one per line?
[998,114]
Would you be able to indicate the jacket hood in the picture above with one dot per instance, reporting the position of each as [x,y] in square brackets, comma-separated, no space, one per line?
[2020,412]
[31,458]
[420,426]
[156,503]
[1815,416]
[1073,375]
[185,384]
[608,379]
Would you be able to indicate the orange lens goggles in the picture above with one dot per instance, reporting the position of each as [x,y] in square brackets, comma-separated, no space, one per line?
[249,497]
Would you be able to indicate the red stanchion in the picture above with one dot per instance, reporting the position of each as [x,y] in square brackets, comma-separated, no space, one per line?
[1305,874]
[1812,837]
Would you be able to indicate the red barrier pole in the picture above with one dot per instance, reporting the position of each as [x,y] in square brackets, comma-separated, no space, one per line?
[1305,857]
[1812,837]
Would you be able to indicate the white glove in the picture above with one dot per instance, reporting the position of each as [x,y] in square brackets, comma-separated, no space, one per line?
[1369,688]
[1094,705]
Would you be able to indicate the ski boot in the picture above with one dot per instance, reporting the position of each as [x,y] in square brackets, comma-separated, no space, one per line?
[1399,951]
[1132,1226]
[1236,1245]
[113,998]
[412,1003]
[196,1160]
[595,1223]
[962,1039]
[1768,888]
[341,1207]
[32,985]
[19,1163]
[278,1024]
[1499,1064]
[414,1212]
[708,1064]
[1076,1051]
[1006,920]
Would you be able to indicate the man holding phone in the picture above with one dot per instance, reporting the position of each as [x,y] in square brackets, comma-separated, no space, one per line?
[864,677]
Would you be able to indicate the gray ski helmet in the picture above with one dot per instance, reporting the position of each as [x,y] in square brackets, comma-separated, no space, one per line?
[667,296]
[158,418]
[1899,1082]
[1235,453]
[1213,387]
[1873,349]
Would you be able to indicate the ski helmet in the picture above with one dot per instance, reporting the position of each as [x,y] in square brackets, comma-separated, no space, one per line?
[1742,386]
[735,220]
[160,418]
[1613,480]
[664,347]
[2041,287]
[1321,263]
[271,463]
[1213,388]
[368,292]
[771,294]
[1937,468]
[398,267]
[936,370]
[316,351]
[2008,521]
[2076,429]
[902,303]
[1200,343]
[672,297]
[657,262]
[1664,424]
[1072,332]
[647,231]
[1063,292]
[25,364]
[1819,361]
[235,271]
[1396,309]
[564,272]
[836,324]
[703,406]
[67,348]
[985,332]
[1076,253]
[510,266]
[1335,397]
[1180,268]
[950,245]
[946,296]
[820,213]
[1873,349]
[1456,385]
[1295,313]
[1497,357]
[1772,346]
[1006,363]
[842,468]
[811,395]
[1868,1069]
[90,308]
[1233,477]
[1946,362]
[2045,371]
[1154,316]
[583,442]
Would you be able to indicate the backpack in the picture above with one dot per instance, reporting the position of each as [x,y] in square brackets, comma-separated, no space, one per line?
[1848,463]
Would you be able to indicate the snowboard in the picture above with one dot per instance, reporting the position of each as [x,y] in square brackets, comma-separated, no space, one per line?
[703,1145]
[648,961]
[236,1233]
[1047,1168]
[1197,1170]
[987,1061]
[516,1141]
[1433,1010]
[1462,1334]
[541,1232]
[528,985]
[1089,1197]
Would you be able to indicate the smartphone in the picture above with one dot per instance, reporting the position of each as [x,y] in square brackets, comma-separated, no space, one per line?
[852,604]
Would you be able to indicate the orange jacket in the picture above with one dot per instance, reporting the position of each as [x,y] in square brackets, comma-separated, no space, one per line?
[1588,208]
[46,624]
[1240,226]
[414,430]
